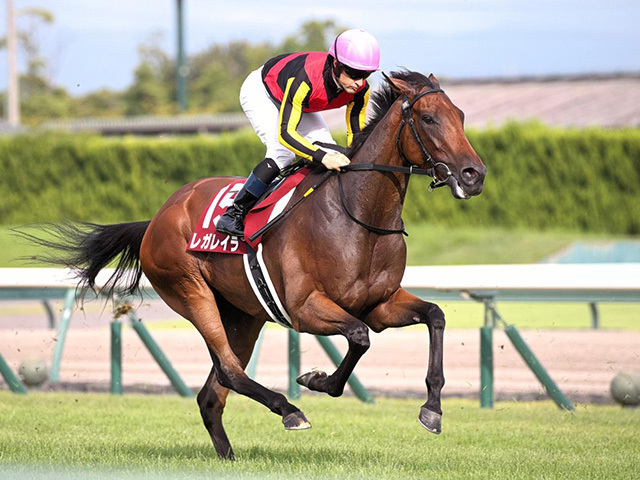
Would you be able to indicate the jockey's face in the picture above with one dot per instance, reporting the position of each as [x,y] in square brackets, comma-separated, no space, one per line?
[349,84]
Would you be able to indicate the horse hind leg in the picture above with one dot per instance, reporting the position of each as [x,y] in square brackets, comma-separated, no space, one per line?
[193,299]
[211,400]
[212,397]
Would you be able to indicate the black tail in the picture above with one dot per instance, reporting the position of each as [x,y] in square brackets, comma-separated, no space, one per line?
[87,248]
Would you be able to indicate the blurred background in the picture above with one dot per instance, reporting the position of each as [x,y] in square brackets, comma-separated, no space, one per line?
[109,107]
[121,59]
[130,100]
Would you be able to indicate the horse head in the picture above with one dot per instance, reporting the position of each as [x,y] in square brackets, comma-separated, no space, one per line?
[431,134]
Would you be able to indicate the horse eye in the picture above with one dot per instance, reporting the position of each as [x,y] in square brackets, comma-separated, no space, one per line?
[428,119]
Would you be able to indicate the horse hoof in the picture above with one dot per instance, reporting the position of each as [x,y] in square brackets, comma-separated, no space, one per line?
[306,379]
[432,421]
[296,421]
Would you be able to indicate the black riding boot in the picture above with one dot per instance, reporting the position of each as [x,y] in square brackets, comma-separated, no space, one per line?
[232,222]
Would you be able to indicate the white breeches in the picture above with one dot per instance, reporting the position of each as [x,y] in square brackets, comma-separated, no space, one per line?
[265,120]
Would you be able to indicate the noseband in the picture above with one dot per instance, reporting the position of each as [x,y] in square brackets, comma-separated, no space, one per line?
[407,106]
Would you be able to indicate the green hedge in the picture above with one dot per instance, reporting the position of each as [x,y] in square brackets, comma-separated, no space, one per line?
[60,176]
[538,177]
[545,178]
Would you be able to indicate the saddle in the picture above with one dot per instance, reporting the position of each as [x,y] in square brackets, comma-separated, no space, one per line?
[205,238]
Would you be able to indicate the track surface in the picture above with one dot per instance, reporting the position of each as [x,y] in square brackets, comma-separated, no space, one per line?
[581,362]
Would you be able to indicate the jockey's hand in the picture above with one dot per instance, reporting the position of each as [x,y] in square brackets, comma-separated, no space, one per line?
[333,161]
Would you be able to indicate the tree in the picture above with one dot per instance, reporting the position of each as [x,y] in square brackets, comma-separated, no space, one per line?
[103,103]
[39,97]
[314,35]
[153,85]
[216,74]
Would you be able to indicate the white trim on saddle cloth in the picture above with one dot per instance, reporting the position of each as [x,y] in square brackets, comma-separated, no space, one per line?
[263,288]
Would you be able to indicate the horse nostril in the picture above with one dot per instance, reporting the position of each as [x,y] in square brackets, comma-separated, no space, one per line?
[470,175]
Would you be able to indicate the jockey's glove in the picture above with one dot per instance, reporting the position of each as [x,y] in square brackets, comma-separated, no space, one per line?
[333,161]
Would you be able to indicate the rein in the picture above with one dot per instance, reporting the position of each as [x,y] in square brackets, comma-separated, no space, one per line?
[407,118]
[411,170]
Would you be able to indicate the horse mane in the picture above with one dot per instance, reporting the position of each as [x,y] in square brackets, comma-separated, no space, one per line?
[381,101]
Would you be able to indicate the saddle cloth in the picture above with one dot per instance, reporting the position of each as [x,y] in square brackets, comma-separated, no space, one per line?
[205,238]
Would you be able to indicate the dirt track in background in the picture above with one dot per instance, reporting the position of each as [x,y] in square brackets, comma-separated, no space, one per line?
[582,362]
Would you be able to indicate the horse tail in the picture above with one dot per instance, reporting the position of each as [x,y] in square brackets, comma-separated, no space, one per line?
[86,248]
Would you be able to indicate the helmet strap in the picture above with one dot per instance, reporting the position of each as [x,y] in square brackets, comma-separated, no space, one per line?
[335,46]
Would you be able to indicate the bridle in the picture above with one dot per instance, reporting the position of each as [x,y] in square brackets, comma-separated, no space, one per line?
[407,118]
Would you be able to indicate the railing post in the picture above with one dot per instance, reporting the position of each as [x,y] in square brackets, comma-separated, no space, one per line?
[12,380]
[486,352]
[595,317]
[294,364]
[63,327]
[486,367]
[159,357]
[527,355]
[116,357]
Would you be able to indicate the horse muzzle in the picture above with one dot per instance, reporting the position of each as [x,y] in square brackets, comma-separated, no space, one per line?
[468,182]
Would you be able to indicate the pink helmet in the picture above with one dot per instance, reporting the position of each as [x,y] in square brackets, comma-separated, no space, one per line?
[357,49]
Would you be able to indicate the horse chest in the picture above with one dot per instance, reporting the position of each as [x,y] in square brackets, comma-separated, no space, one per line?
[368,289]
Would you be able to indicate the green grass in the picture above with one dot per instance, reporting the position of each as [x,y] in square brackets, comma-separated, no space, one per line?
[535,315]
[163,435]
[439,245]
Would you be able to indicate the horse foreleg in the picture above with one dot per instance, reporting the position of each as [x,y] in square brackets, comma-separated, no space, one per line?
[322,316]
[404,309]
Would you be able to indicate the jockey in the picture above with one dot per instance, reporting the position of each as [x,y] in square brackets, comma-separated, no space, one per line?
[282,100]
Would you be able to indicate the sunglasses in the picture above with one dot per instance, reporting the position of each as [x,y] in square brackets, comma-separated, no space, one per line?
[354,74]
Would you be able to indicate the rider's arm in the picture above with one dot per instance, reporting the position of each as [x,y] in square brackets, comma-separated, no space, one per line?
[356,111]
[295,94]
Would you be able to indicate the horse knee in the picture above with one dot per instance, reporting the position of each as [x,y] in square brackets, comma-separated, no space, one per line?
[435,316]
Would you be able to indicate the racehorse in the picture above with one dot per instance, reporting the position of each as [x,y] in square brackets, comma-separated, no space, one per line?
[336,261]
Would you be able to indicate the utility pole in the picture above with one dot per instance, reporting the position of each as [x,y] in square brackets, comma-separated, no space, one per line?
[181,68]
[13,95]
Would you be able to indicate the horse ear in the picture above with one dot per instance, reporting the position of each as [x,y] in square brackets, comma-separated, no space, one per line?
[434,80]
[399,86]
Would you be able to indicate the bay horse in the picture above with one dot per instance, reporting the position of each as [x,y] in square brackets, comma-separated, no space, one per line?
[333,275]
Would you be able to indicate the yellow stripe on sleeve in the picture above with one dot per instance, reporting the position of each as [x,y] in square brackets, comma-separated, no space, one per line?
[290,115]
[352,126]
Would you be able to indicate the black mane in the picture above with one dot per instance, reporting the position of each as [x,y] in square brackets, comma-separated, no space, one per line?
[382,99]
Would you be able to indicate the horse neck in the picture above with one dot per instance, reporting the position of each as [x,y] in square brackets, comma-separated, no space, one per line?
[378,197]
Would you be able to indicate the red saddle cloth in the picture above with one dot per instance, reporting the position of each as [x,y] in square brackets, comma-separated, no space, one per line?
[205,238]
